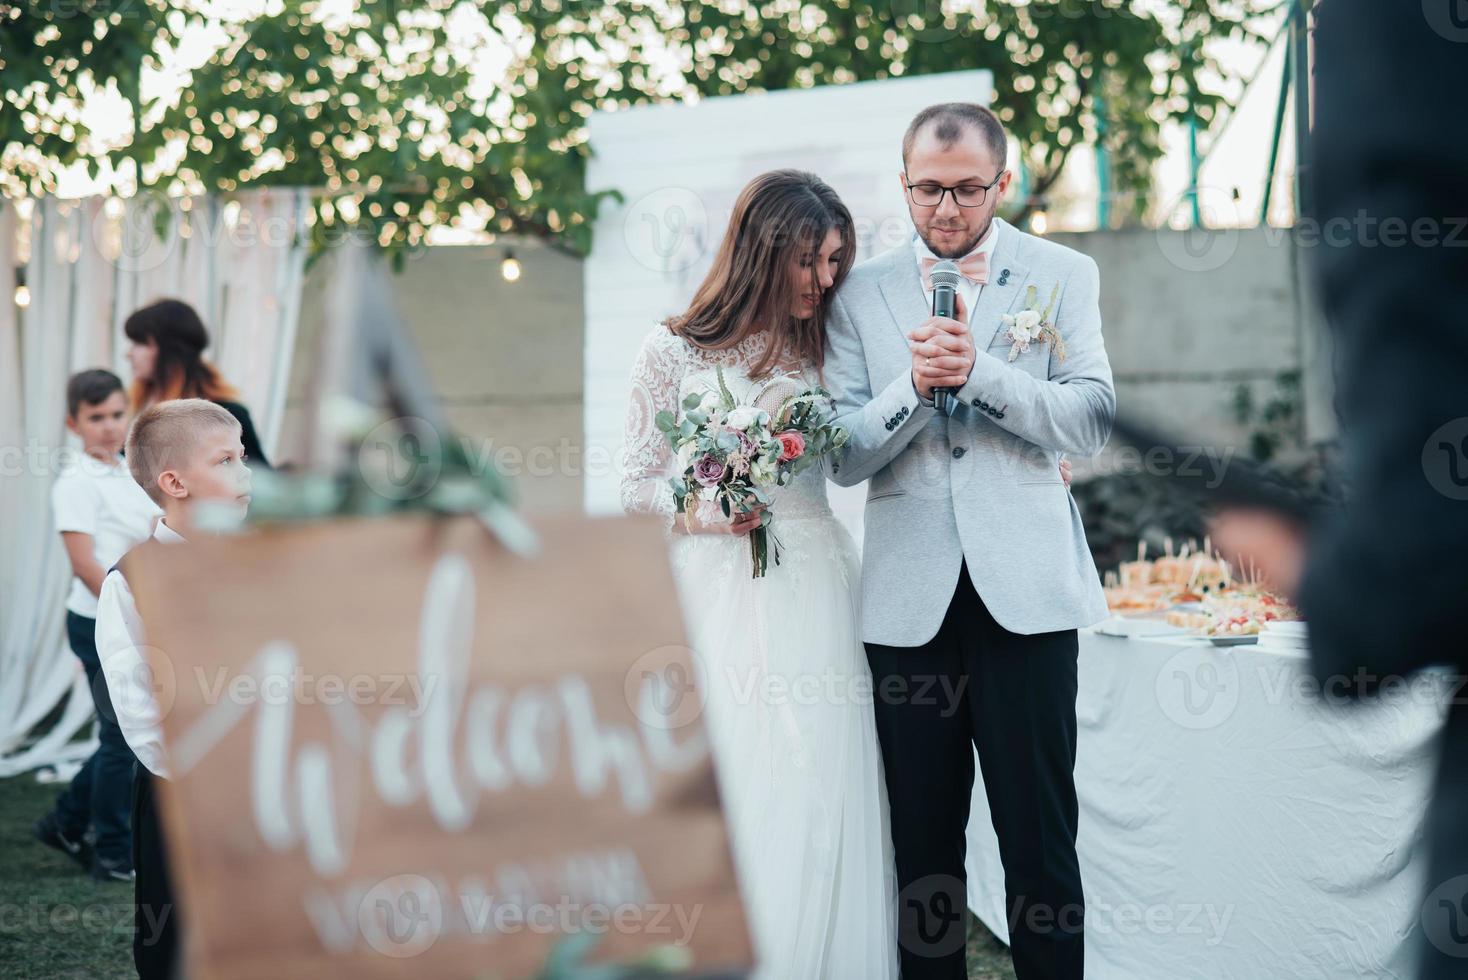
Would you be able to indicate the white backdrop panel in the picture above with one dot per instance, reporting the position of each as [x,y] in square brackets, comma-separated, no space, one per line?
[681,167]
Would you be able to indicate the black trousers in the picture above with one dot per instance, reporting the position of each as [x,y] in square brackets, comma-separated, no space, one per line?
[1012,697]
[155,915]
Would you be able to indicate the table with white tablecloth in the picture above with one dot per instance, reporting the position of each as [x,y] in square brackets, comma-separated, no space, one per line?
[1237,819]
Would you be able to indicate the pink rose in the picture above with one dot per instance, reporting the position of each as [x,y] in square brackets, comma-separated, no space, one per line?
[708,470]
[792,444]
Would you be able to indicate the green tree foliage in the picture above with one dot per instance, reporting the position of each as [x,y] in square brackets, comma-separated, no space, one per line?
[415,114]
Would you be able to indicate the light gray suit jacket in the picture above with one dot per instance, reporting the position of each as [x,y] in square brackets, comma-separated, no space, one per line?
[984,485]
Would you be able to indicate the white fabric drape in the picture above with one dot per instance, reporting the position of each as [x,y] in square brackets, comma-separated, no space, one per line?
[1236,820]
[241,263]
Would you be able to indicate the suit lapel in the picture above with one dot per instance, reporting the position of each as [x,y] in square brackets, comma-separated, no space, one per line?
[1002,292]
[902,288]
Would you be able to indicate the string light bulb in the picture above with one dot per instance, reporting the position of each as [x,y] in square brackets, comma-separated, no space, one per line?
[510,267]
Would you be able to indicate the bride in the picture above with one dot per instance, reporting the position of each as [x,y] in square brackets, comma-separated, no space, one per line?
[786,686]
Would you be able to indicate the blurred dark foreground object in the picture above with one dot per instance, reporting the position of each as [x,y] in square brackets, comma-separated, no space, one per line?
[1385,586]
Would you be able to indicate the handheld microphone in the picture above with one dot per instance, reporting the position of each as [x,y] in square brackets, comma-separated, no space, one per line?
[945,277]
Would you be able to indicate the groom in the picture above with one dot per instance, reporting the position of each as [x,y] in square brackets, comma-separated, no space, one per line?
[976,573]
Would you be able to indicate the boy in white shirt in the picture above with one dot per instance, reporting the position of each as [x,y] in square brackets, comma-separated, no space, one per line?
[100,512]
[184,453]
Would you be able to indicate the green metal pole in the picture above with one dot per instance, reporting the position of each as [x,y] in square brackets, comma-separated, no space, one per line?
[1279,115]
[1194,162]
[1193,166]
[1103,168]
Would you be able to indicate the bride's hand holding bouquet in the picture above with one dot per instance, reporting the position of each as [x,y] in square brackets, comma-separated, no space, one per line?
[730,456]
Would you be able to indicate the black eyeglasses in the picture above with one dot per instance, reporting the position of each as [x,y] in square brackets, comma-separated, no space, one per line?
[929,195]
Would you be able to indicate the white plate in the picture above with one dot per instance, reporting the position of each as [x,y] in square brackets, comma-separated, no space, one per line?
[1286,627]
[1128,628]
[1233,641]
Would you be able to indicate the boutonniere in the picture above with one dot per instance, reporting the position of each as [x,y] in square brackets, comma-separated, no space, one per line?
[1033,324]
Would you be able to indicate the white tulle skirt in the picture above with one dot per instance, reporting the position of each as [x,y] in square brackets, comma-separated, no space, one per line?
[788,699]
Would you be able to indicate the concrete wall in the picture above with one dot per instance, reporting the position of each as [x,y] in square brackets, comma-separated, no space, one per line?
[506,358]
[1184,326]
[1190,316]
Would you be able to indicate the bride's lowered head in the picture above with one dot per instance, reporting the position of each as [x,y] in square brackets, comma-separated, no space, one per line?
[789,244]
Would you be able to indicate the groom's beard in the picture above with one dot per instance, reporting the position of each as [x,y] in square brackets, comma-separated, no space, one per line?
[959,252]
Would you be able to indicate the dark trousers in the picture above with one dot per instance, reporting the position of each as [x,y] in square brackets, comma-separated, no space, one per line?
[976,685]
[100,791]
[155,915]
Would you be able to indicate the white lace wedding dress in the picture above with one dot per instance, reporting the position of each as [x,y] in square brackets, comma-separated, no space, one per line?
[788,695]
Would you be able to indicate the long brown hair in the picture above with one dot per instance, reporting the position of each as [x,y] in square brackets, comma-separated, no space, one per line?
[778,215]
[180,370]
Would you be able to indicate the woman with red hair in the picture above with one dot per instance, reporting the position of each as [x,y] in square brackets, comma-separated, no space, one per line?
[167,359]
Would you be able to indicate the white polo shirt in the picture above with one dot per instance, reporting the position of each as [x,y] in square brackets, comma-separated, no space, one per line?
[100,498]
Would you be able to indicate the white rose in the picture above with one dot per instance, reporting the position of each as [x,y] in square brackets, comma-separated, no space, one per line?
[685,456]
[742,417]
[1027,323]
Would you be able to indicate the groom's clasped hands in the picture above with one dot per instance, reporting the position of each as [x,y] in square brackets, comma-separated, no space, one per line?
[942,352]
[943,356]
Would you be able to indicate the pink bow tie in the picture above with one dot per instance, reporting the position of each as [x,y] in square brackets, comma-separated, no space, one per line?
[974,267]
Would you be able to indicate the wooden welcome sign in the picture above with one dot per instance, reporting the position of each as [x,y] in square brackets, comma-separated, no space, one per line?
[398,750]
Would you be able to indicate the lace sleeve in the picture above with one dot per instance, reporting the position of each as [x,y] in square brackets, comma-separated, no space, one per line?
[656,377]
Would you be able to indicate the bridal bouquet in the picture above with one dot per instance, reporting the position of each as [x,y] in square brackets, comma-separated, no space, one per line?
[734,454]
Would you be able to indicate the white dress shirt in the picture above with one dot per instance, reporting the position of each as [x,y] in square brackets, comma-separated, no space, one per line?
[970,291]
[130,680]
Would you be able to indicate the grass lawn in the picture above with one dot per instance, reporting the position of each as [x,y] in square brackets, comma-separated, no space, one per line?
[57,924]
